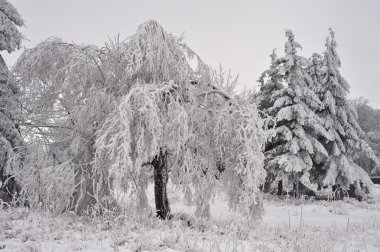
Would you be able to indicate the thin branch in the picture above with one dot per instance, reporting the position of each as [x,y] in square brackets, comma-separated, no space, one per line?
[146,164]
[100,70]
[44,126]
[216,91]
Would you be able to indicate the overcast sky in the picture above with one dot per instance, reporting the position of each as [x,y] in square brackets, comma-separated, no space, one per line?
[238,34]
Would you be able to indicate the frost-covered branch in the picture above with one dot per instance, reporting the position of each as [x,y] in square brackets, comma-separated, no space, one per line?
[44,126]
[216,91]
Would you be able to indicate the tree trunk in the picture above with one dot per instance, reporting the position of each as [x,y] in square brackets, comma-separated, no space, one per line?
[279,188]
[161,177]
[91,189]
[267,188]
[83,199]
[296,185]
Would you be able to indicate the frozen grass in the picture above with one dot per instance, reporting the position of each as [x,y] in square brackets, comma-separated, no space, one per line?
[24,230]
[287,226]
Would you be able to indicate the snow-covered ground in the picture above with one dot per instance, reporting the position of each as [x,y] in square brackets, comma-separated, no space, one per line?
[286,226]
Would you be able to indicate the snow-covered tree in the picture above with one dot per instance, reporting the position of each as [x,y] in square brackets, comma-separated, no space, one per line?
[181,122]
[10,37]
[369,121]
[11,142]
[114,113]
[340,120]
[368,117]
[59,81]
[10,137]
[287,96]
[270,81]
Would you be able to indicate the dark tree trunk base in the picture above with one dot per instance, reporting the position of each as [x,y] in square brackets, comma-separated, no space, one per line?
[161,177]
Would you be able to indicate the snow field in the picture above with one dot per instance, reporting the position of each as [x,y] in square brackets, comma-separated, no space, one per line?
[286,226]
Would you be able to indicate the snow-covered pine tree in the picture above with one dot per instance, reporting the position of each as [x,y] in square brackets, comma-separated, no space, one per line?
[315,71]
[287,96]
[270,81]
[11,142]
[10,37]
[340,120]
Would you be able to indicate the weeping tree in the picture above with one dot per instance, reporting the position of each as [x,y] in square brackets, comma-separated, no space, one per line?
[109,115]
[177,119]
[65,94]
[11,142]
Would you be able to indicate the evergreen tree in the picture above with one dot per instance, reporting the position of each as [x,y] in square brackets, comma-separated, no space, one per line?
[340,120]
[287,96]
[270,81]
[11,141]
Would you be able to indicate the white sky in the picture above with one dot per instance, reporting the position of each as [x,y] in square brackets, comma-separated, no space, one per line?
[238,34]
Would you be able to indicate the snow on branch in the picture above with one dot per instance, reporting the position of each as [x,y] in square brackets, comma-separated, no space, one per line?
[151,118]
